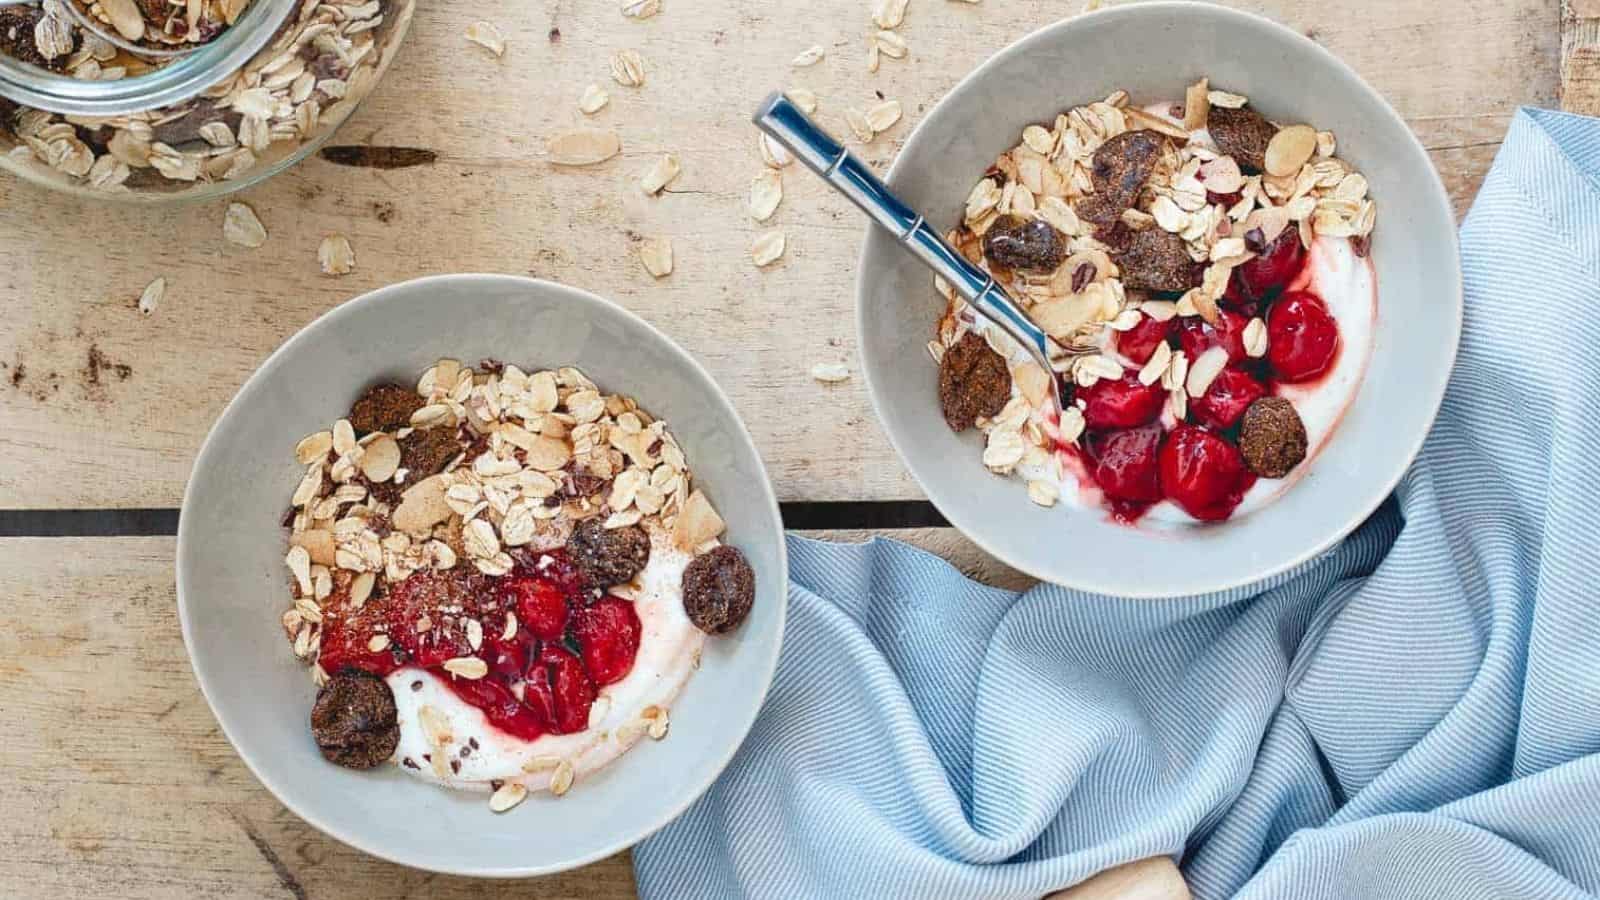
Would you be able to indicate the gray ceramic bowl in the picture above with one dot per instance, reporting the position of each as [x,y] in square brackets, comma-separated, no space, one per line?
[231,585]
[1153,50]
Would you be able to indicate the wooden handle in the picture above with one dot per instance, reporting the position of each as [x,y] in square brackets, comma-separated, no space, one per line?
[1155,878]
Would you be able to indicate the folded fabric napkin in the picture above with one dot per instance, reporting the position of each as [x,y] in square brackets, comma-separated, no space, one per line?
[1414,714]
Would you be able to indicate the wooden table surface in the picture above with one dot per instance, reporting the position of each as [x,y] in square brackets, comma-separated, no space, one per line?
[118,780]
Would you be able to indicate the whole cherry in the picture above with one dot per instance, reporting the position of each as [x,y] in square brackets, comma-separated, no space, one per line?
[1121,403]
[1125,464]
[1138,342]
[1202,473]
[1273,268]
[1302,337]
[1230,394]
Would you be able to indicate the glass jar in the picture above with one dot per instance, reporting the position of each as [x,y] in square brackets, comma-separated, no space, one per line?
[267,92]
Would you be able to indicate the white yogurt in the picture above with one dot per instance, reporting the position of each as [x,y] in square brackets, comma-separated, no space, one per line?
[669,653]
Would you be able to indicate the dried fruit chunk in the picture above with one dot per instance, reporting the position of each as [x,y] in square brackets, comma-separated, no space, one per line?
[383,407]
[608,556]
[354,722]
[1156,260]
[1272,438]
[1119,171]
[719,588]
[973,381]
[1028,245]
[1242,134]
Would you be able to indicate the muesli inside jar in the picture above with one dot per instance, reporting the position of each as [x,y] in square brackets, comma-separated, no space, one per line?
[289,97]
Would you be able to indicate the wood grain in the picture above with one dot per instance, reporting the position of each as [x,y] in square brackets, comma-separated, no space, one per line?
[477,194]
[1580,56]
[115,780]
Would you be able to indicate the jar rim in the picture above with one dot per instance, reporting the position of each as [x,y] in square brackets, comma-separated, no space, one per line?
[170,84]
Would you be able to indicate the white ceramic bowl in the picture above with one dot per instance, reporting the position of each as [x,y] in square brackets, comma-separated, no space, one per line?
[232,588]
[1153,50]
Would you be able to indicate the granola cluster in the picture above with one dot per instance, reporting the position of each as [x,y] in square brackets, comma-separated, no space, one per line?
[1115,214]
[323,62]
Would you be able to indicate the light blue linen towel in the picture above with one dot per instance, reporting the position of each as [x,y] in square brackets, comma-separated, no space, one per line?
[1415,714]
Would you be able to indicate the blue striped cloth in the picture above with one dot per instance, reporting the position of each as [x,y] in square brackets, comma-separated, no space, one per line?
[1415,714]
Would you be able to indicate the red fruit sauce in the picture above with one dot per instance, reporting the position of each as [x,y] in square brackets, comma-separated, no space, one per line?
[556,615]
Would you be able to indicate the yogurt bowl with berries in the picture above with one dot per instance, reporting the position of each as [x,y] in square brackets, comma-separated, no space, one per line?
[1227,266]
[482,575]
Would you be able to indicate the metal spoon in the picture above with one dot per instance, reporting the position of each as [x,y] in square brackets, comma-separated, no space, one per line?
[791,127]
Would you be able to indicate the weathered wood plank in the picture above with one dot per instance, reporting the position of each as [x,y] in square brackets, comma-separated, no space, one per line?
[1580,56]
[79,435]
[116,781]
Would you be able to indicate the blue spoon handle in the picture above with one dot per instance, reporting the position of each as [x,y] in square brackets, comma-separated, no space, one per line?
[779,117]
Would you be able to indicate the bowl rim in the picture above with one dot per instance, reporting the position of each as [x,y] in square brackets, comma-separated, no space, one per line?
[186,547]
[1436,383]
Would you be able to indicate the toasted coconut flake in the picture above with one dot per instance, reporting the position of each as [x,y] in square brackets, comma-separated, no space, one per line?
[1197,105]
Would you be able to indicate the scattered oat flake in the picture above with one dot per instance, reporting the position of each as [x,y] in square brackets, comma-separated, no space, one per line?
[584,147]
[1043,492]
[830,373]
[889,13]
[593,100]
[766,192]
[487,36]
[240,226]
[768,247]
[890,44]
[809,57]
[656,254]
[153,292]
[627,68]
[660,174]
[336,255]
[773,153]
[883,116]
[806,100]
[561,779]
[859,125]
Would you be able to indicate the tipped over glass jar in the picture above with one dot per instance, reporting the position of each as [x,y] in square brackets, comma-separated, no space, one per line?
[159,100]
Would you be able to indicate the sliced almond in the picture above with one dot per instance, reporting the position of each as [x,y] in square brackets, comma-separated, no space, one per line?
[584,146]
[660,174]
[561,779]
[124,16]
[656,255]
[508,795]
[468,667]
[151,296]
[487,36]
[1226,100]
[593,100]
[1222,175]
[381,459]
[1290,149]
[1156,365]
[361,588]
[640,9]
[299,562]
[767,248]
[1204,370]
[766,192]
[1255,338]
